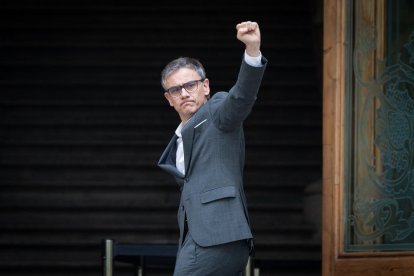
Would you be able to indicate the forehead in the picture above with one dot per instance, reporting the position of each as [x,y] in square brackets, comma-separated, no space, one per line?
[182,75]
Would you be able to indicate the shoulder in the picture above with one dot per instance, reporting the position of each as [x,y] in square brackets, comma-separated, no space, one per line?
[217,99]
[219,96]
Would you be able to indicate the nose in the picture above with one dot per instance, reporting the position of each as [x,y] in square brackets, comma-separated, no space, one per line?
[185,91]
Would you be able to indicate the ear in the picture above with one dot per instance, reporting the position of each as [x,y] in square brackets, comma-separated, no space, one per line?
[168,97]
[206,87]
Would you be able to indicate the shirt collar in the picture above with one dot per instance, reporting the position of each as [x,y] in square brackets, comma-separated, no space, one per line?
[179,129]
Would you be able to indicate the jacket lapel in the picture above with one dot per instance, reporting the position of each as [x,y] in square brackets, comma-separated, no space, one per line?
[167,160]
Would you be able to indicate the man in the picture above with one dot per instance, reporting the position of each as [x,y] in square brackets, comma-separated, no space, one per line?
[206,157]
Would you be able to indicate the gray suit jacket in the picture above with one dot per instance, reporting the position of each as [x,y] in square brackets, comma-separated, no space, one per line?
[212,194]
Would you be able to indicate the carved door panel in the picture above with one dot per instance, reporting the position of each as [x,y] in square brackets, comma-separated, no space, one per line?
[368,219]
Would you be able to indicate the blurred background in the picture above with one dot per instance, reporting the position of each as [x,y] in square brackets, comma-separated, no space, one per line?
[83,122]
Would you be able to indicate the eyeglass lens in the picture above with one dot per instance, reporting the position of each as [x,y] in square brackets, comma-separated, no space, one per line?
[190,87]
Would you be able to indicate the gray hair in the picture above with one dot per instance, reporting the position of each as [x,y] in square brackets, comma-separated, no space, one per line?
[181,62]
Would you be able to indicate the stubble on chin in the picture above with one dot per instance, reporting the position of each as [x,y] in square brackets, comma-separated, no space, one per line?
[188,112]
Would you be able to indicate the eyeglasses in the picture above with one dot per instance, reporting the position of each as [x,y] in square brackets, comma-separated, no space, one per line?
[190,87]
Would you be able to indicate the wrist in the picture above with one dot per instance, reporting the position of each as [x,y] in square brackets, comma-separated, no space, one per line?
[253,52]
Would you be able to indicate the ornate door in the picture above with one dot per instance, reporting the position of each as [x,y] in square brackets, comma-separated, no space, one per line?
[368,178]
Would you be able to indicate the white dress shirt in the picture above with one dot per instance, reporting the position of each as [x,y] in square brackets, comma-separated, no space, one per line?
[179,160]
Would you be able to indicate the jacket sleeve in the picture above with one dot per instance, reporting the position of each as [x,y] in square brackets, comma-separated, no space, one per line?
[230,113]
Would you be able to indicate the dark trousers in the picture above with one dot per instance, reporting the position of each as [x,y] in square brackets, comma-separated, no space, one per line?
[220,260]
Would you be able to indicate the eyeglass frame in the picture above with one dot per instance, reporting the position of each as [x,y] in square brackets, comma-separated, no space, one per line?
[180,88]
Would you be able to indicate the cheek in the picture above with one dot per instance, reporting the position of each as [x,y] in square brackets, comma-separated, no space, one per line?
[202,98]
[170,101]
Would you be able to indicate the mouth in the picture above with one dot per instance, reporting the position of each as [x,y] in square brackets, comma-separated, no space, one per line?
[186,103]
